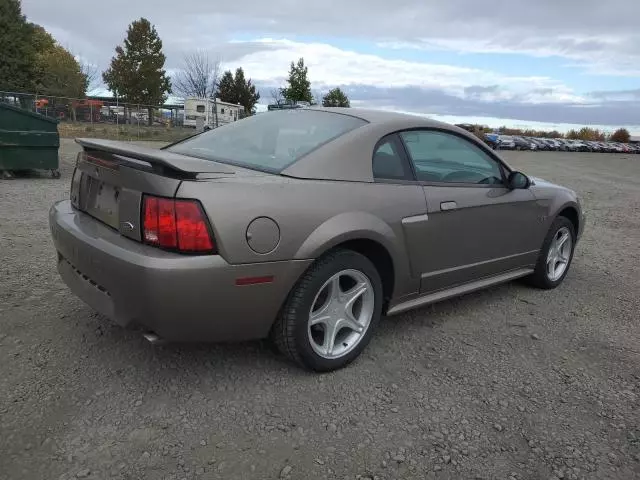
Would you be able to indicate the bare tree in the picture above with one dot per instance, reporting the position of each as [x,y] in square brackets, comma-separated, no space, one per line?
[92,74]
[276,96]
[198,77]
[317,97]
[90,70]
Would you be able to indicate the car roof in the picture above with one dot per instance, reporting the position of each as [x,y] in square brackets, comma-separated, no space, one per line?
[349,157]
[385,116]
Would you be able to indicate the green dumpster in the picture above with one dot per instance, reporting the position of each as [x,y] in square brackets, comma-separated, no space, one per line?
[28,141]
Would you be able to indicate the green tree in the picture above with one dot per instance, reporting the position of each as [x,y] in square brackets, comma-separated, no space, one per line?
[59,73]
[137,71]
[237,89]
[335,98]
[62,77]
[17,68]
[250,97]
[227,88]
[621,135]
[298,87]
[40,39]
[246,92]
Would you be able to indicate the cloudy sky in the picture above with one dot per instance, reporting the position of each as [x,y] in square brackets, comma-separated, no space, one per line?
[538,63]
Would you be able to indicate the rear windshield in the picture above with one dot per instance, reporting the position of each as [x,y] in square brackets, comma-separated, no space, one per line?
[269,141]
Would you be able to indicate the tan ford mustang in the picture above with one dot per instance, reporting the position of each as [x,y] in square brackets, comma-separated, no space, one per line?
[305,226]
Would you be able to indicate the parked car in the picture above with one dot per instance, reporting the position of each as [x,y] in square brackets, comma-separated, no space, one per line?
[593,146]
[574,146]
[492,139]
[617,147]
[523,144]
[624,147]
[540,145]
[581,146]
[553,143]
[286,225]
[506,142]
[607,147]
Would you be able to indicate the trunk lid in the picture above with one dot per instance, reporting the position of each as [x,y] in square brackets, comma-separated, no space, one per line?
[111,178]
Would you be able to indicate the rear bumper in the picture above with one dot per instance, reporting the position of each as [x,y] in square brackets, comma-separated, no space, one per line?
[178,297]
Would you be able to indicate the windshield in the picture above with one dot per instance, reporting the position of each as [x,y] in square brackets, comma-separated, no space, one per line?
[270,141]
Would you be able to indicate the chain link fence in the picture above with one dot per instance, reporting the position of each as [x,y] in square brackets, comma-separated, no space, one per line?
[105,117]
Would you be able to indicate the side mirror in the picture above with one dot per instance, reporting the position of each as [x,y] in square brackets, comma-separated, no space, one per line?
[518,180]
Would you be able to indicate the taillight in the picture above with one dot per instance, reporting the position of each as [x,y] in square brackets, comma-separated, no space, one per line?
[176,225]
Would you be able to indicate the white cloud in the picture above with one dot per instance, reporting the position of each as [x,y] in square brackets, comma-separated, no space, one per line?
[330,66]
[596,54]
[600,36]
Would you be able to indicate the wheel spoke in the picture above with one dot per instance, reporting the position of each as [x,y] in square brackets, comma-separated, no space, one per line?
[551,267]
[330,333]
[335,292]
[352,295]
[320,317]
[561,241]
[350,322]
[322,314]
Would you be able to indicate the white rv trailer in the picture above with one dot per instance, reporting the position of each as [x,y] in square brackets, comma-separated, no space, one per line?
[205,108]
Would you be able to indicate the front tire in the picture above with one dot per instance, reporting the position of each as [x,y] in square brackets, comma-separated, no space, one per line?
[331,313]
[555,255]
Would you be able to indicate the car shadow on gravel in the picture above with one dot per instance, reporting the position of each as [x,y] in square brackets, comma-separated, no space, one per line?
[177,358]
[107,338]
[436,314]
[511,304]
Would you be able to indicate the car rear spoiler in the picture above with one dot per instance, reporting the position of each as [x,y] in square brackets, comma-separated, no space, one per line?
[155,157]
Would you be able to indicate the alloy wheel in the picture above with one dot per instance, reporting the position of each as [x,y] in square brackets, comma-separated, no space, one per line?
[341,313]
[559,254]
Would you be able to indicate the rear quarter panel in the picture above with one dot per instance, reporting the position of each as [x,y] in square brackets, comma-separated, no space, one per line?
[313,216]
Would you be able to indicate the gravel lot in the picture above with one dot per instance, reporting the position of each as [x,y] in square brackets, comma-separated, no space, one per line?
[506,383]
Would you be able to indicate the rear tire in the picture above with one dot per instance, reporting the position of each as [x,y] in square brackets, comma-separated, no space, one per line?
[315,312]
[553,263]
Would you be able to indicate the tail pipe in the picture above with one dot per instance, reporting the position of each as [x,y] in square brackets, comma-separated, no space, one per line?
[153,338]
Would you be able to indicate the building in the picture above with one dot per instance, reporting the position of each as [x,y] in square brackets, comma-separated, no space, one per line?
[213,113]
[634,139]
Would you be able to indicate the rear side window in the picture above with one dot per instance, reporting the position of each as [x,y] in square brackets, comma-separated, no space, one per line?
[269,141]
[388,162]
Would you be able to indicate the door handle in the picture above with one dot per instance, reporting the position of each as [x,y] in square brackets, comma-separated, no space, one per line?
[448,206]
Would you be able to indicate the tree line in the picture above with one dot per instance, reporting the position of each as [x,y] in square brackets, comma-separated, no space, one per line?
[298,89]
[137,75]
